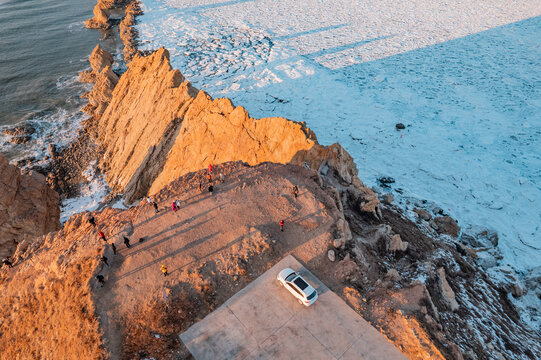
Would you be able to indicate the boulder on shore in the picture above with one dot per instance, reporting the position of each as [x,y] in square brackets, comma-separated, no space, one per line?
[446,225]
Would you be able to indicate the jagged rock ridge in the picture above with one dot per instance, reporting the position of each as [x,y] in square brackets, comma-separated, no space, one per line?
[158,127]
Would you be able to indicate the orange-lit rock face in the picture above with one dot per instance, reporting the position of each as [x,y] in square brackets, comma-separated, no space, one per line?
[28,207]
[394,315]
[46,297]
[402,328]
[214,131]
[101,15]
[158,127]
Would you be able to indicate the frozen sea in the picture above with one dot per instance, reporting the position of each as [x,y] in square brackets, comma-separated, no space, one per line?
[463,76]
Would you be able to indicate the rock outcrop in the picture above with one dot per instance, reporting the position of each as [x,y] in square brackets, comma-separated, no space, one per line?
[99,60]
[446,225]
[128,34]
[104,80]
[105,10]
[447,293]
[102,10]
[174,129]
[28,207]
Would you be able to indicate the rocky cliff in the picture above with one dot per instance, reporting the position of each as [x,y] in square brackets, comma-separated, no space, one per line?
[46,305]
[158,127]
[104,80]
[127,10]
[28,207]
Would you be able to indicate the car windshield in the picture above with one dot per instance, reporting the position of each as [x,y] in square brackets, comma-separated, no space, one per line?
[312,295]
[300,283]
[291,276]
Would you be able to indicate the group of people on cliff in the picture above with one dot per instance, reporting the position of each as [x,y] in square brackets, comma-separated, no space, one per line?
[175,206]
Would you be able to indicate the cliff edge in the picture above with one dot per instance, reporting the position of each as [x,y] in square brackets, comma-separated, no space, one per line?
[28,207]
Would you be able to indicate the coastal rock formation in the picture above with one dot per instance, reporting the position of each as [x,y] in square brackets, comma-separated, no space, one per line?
[128,34]
[104,80]
[128,10]
[174,129]
[101,12]
[99,60]
[28,207]
[447,292]
[102,92]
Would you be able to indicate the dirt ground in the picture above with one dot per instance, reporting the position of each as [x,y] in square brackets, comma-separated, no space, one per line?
[213,246]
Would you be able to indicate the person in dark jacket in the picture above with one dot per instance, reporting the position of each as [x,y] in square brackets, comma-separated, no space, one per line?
[127,242]
[113,246]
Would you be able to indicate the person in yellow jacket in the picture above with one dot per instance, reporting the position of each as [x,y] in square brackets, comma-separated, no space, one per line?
[164,270]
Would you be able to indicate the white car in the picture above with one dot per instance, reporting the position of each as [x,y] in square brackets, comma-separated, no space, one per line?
[296,285]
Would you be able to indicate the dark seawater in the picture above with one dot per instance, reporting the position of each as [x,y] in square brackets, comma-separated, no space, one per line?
[43,46]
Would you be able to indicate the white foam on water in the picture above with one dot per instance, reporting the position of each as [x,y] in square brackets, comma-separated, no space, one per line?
[92,194]
[59,127]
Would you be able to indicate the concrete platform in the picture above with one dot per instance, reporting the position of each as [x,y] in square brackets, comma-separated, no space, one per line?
[265,321]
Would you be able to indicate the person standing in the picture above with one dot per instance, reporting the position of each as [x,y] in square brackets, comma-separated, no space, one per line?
[211,189]
[174,206]
[163,268]
[113,246]
[221,178]
[156,210]
[127,242]
[200,187]
[282,223]
[104,259]
[177,203]
[102,236]
[91,220]
[295,191]
[209,178]
[211,168]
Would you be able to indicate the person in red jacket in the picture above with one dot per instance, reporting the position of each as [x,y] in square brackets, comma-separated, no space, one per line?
[102,236]
[210,168]
[282,223]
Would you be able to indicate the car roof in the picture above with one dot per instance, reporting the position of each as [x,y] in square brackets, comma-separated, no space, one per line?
[299,281]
